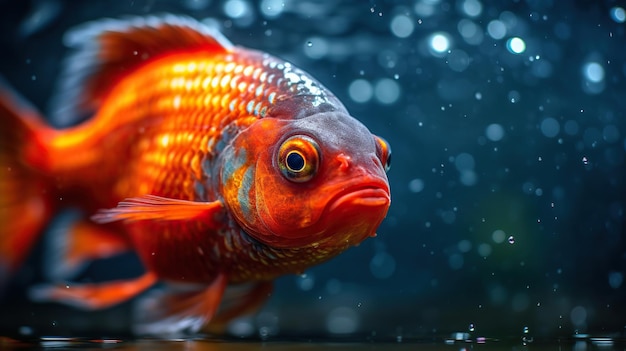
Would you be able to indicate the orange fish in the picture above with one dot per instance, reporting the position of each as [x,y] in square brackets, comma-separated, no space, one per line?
[218,165]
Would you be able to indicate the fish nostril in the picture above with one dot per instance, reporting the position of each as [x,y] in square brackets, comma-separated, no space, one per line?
[344,162]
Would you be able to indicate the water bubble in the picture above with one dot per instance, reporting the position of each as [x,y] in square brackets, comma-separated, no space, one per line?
[464,245]
[439,43]
[468,177]
[585,160]
[464,161]
[382,265]
[471,327]
[424,8]
[615,279]
[360,90]
[387,91]
[550,127]
[618,14]
[496,29]
[236,8]
[498,236]
[593,72]
[272,8]
[470,31]
[316,48]
[516,45]
[342,320]
[401,26]
[472,8]
[416,185]
[511,239]
[494,132]
[484,250]
[305,282]
[514,96]
[525,330]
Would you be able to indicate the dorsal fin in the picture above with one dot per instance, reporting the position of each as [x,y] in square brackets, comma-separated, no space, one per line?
[106,50]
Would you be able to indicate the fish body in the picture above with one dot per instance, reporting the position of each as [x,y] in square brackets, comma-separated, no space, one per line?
[218,165]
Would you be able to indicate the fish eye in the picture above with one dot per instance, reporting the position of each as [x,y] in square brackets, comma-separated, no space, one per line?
[383,151]
[298,158]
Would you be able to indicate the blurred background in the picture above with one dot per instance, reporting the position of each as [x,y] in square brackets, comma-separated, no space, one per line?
[506,120]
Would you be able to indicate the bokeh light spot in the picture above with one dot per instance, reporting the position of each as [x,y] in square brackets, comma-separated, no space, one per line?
[516,45]
[401,26]
[360,90]
[439,42]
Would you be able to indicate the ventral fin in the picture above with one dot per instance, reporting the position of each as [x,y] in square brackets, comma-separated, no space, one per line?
[107,50]
[157,208]
[94,296]
[239,300]
[178,313]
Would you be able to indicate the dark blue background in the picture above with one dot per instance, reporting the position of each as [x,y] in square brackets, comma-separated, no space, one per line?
[508,168]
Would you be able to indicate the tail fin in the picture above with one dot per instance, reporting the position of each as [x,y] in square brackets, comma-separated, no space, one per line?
[24,207]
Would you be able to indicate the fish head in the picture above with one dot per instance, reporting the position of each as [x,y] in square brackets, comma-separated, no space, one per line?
[318,181]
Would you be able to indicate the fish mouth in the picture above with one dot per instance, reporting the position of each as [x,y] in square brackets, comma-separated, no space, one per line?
[362,195]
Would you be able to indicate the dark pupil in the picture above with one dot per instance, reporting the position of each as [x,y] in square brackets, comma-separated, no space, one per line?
[295,161]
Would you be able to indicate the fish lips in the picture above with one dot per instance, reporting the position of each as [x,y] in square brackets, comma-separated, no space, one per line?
[357,210]
[369,196]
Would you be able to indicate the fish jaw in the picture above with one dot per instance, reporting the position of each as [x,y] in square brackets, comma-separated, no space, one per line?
[354,214]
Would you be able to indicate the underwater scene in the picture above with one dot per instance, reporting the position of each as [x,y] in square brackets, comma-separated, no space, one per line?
[498,132]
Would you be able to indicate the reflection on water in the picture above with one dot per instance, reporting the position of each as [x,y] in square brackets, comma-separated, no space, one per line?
[577,343]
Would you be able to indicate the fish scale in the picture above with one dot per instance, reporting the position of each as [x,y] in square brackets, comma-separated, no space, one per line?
[179,96]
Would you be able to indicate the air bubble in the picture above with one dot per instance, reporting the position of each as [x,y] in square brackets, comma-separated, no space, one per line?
[516,45]
[496,29]
[494,132]
[360,90]
[416,185]
[511,239]
[401,26]
[342,320]
[618,14]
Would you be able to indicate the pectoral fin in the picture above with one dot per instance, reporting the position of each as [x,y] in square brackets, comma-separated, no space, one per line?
[152,207]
